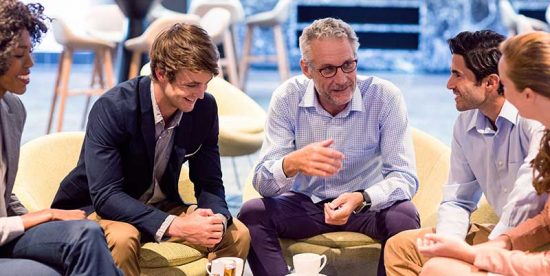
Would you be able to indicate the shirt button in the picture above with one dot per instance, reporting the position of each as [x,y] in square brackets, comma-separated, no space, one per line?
[500,163]
[505,190]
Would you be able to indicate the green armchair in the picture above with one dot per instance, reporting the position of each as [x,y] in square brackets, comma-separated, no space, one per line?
[45,161]
[356,254]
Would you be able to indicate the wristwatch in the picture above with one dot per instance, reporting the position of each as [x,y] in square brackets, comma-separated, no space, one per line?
[365,205]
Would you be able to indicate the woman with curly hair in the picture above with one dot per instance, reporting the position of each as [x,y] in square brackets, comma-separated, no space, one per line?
[525,73]
[47,242]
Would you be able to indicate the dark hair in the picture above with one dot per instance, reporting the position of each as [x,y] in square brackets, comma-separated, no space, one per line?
[480,51]
[183,46]
[14,18]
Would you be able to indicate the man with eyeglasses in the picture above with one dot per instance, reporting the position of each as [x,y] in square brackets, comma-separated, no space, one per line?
[337,155]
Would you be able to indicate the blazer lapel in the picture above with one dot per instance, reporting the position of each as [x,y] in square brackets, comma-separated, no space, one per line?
[182,137]
[147,120]
[12,138]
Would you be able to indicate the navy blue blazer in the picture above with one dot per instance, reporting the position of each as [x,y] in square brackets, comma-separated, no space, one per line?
[116,161]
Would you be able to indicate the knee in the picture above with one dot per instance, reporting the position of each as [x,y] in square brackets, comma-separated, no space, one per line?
[435,266]
[252,212]
[242,235]
[123,237]
[85,230]
[402,216]
[241,238]
[400,243]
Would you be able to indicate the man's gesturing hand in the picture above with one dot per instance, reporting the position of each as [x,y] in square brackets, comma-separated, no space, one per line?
[315,159]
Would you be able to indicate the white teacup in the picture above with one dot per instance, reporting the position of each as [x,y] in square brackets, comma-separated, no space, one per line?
[217,266]
[309,263]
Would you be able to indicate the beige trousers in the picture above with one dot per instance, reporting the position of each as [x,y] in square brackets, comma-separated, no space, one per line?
[123,240]
[402,258]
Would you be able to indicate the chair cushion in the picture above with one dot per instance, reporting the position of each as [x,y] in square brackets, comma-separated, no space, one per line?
[241,123]
[167,254]
[339,239]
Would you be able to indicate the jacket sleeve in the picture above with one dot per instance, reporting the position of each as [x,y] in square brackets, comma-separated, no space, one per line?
[205,169]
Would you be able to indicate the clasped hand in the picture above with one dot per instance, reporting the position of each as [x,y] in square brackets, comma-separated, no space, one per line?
[200,227]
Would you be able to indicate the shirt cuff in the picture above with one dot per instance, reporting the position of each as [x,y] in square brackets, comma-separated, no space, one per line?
[224,221]
[457,230]
[163,227]
[278,172]
[499,229]
[377,196]
[10,228]
[17,223]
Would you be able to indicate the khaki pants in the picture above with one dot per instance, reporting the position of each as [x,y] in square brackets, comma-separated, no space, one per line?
[402,258]
[123,240]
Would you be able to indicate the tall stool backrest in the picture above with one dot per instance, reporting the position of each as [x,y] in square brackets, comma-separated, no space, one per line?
[201,7]
[106,22]
[142,44]
[217,23]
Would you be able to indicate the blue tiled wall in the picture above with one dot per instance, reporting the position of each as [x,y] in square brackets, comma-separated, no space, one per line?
[438,21]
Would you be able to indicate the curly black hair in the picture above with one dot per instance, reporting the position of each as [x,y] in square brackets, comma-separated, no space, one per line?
[14,18]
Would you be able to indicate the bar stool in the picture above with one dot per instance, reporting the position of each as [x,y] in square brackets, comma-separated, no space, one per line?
[216,22]
[106,22]
[270,19]
[102,72]
[517,23]
[236,10]
[158,10]
[142,44]
[201,7]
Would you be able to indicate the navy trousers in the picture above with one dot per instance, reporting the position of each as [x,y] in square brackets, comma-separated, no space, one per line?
[59,248]
[295,216]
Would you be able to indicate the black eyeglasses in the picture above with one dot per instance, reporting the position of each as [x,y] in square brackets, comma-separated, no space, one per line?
[330,71]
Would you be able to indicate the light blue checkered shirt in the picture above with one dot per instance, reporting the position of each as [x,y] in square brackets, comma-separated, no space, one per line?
[495,163]
[372,132]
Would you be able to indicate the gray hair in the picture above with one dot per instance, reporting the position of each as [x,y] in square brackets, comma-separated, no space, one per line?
[326,28]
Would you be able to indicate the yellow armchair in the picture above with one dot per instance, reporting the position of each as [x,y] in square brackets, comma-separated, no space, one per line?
[45,161]
[356,254]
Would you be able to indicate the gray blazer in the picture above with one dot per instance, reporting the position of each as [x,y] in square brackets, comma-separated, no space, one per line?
[12,120]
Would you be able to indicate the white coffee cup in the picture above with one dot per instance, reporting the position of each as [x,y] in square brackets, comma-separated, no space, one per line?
[217,266]
[309,263]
